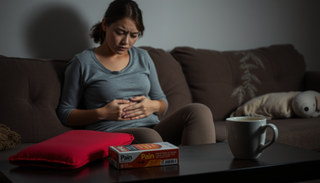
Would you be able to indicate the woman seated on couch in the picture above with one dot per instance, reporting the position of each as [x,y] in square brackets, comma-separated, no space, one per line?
[119,86]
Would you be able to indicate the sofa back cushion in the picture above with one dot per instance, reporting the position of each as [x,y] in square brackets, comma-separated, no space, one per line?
[225,80]
[29,95]
[171,78]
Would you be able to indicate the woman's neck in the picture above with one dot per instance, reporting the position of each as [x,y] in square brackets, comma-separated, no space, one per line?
[113,62]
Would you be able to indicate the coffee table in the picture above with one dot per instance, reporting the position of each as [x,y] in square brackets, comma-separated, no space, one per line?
[278,163]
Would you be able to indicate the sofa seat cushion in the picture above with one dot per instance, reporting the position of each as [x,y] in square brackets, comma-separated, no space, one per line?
[299,132]
[29,95]
[70,150]
[225,80]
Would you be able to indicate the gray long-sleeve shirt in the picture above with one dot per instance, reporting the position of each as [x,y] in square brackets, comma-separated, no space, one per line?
[86,78]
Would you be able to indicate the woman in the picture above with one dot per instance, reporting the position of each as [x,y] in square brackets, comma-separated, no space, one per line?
[119,86]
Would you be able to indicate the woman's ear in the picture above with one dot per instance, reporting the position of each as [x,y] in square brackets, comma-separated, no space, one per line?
[104,26]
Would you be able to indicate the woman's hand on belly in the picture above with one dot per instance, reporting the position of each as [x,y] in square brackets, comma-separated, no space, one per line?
[142,109]
[113,111]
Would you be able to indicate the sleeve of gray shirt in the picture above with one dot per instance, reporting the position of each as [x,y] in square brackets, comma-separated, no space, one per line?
[156,92]
[72,90]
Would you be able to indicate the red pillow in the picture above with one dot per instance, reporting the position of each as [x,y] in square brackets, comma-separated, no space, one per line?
[70,150]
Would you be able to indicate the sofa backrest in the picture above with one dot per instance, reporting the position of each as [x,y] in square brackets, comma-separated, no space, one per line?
[225,80]
[29,95]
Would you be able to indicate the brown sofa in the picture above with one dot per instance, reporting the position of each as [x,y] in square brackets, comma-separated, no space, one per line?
[30,89]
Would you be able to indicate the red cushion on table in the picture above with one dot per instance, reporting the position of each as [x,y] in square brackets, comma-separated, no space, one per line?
[71,149]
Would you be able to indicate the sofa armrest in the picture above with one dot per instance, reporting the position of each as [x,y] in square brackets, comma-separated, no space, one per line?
[312,80]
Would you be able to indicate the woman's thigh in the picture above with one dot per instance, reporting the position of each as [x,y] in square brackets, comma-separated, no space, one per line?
[190,125]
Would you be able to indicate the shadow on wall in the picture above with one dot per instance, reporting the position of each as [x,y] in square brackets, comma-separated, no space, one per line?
[55,31]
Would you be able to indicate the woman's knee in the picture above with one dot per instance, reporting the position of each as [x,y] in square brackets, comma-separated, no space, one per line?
[199,110]
[199,126]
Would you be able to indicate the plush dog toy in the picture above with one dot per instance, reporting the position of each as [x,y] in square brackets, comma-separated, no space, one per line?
[307,104]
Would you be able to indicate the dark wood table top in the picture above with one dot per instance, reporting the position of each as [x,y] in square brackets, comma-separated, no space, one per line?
[280,163]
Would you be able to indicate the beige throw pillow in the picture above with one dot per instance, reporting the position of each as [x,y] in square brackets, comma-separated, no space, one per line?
[272,105]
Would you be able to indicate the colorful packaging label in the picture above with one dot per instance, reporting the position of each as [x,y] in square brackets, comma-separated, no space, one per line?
[143,155]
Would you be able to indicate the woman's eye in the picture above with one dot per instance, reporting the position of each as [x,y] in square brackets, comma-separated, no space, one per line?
[133,36]
[119,33]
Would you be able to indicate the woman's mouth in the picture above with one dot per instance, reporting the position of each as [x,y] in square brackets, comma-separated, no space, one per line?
[121,48]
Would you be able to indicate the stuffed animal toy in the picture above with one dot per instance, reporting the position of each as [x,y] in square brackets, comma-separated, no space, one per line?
[307,104]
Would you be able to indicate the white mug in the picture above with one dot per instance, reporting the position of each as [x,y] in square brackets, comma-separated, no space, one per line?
[246,136]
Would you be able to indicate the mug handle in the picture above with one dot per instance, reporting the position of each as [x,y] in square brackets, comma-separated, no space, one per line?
[274,138]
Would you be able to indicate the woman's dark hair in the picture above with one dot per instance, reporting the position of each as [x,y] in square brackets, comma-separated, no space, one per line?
[117,10]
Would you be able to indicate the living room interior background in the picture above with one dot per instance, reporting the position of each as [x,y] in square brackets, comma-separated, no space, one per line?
[60,28]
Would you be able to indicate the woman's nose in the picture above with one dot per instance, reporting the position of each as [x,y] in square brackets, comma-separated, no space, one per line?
[125,39]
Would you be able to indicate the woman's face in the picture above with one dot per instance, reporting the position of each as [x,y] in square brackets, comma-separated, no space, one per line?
[120,36]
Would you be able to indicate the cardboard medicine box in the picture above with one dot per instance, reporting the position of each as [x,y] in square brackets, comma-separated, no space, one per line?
[143,155]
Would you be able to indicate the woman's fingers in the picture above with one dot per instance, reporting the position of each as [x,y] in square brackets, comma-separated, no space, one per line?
[122,101]
[135,111]
[137,98]
[143,108]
